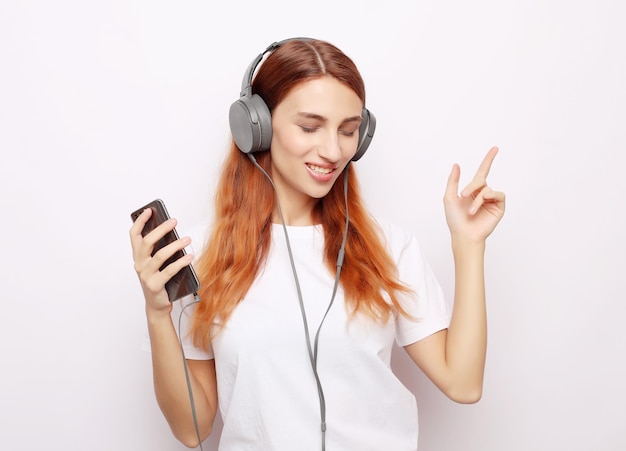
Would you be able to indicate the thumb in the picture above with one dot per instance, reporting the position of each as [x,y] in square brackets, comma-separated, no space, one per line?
[452,188]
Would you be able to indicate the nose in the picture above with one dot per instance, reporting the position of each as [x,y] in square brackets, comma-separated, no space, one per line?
[329,149]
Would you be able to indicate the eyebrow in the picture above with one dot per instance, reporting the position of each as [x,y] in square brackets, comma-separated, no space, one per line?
[323,119]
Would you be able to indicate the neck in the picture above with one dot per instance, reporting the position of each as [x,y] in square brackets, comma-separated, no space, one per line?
[294,215]
[295,212]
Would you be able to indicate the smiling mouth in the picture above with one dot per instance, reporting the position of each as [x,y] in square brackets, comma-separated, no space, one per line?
[319,170]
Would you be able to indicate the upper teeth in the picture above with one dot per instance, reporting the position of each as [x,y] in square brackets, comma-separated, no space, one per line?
[320,170]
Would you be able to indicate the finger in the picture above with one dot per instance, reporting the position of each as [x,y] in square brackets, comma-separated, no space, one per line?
[160,231]
[480,178]
[146,246]
[149,269]
[161,257]
[452,186]
[137,227]
[488,196]
[485,165]
[159,279]
[496,196]
[479,200]
[473,187]
[173,268]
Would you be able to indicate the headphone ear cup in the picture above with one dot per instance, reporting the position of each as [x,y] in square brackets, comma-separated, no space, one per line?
[250,124]
[366,133]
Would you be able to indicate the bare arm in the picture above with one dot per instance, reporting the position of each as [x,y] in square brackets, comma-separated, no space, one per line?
[454,359]
[170,384]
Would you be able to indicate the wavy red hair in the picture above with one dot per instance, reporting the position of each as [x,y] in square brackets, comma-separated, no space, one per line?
[245,200]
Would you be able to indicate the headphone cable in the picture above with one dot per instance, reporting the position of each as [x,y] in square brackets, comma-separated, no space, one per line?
[313,353]
[180,340]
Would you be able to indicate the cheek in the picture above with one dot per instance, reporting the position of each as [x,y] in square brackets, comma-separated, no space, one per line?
[348,146]
[291,143]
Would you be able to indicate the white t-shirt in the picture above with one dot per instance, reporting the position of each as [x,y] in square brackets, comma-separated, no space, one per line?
[268,396]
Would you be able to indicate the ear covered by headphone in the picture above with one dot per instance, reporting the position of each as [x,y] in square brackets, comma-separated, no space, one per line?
[251,121]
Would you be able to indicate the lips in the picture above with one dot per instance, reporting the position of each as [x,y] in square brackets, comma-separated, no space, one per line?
[319,169]
[321,173]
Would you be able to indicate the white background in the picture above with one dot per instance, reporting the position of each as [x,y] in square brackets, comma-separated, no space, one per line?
[105,106]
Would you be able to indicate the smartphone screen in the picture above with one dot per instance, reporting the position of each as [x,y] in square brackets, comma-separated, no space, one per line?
[185,281]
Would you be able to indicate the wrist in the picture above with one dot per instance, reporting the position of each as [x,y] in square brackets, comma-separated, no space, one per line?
[157,315]
[465,245]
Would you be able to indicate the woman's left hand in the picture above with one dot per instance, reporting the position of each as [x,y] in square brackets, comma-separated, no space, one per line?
[474,213]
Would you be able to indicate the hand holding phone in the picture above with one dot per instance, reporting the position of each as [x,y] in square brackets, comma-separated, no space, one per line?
[185,281]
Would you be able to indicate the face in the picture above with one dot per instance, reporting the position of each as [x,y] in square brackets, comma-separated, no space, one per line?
[315,133]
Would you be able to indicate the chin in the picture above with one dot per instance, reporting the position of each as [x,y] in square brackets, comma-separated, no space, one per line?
[319,194]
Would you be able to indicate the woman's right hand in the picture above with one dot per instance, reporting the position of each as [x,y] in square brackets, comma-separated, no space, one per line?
[147,266]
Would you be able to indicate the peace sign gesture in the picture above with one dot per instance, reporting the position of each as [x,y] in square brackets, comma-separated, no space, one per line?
[474,213]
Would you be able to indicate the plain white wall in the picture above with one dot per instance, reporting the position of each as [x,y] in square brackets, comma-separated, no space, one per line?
[107,105]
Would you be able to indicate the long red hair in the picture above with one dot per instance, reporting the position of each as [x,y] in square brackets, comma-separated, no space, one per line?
[245,200]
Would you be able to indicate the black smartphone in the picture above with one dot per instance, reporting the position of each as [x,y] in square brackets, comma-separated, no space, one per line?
[185,281]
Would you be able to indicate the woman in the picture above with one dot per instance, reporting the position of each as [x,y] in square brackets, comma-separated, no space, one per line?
[299,313]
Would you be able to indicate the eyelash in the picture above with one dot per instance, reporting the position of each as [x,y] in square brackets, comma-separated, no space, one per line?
[313,130]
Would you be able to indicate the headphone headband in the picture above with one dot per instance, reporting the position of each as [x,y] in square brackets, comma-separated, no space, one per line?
[246,83]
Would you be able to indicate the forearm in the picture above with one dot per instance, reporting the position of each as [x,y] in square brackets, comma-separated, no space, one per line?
[466,343]
[170,384]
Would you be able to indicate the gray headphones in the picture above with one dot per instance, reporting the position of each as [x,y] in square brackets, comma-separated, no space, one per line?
[251,121]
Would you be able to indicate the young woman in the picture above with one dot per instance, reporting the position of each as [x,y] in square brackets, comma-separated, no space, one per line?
[298,313]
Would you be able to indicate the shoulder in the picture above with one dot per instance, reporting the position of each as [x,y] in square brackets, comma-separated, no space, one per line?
[395,238]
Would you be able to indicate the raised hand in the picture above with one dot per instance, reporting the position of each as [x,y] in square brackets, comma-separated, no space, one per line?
[474,213]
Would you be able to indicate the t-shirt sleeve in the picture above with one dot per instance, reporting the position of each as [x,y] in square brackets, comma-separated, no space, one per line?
[429,312]
[182,313]
[182,310]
